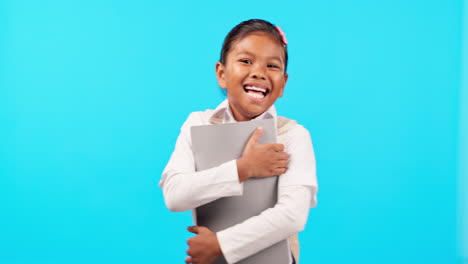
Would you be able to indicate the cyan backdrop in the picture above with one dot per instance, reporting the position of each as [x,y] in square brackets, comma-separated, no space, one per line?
[93,94]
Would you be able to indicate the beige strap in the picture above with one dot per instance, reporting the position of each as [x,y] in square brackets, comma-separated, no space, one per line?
[284,124]
[294,243]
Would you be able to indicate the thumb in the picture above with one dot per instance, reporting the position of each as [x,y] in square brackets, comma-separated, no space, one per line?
[253,140]
[193,229]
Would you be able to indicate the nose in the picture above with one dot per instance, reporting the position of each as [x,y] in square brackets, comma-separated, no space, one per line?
[258,72]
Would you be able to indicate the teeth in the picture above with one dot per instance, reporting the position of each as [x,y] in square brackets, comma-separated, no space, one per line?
[256,89]
[255,95]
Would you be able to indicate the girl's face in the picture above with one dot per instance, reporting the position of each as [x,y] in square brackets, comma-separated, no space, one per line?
[253,75]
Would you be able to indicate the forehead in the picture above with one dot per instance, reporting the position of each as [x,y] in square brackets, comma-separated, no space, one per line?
[258,44]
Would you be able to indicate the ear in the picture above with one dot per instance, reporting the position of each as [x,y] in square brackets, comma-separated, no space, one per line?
[284,85]
[220,72]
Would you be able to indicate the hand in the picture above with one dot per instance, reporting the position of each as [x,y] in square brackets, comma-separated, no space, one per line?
[261,160]
[203,248]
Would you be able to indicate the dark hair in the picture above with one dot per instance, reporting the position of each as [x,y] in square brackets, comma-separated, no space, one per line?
[251,26]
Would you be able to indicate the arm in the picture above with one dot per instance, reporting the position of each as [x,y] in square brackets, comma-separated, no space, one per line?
[238,242]
[187,190]
[288,217]
[296,193]
[184,188]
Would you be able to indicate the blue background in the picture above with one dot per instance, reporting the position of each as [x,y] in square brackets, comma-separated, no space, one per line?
[93,93]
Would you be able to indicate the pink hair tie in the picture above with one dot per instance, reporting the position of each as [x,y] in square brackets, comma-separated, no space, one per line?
[283,36]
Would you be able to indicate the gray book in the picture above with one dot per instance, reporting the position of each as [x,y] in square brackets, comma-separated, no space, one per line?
[214,145]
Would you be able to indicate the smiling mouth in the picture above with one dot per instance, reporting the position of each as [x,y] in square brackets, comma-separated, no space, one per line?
[256,92]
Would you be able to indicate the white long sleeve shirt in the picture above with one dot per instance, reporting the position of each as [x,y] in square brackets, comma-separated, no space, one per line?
[185,189]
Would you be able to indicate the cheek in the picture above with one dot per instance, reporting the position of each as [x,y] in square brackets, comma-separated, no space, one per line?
[279,79]
[236,74]
[237,71]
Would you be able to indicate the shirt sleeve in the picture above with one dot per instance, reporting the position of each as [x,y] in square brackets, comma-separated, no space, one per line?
[296,194]
[302,167]
[184,188]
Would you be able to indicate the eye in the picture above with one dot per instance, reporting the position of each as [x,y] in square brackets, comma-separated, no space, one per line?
[274,66]
[246,61]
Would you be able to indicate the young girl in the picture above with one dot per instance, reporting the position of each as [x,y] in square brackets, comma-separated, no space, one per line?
[252,69]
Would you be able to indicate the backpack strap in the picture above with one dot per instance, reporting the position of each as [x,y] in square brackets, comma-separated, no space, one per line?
[294,244]
[284,125]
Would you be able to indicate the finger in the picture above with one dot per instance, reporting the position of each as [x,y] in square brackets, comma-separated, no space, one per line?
[282,155]
[253,140]
[278,147]
[188,260]
[189,252]
[193,229]
[202,230]
[193,251]
[282,164]
[279,171]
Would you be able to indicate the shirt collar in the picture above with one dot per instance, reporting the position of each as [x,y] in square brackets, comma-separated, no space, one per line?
[223,114]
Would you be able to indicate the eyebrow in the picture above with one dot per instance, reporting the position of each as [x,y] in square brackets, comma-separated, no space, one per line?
[251,54]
